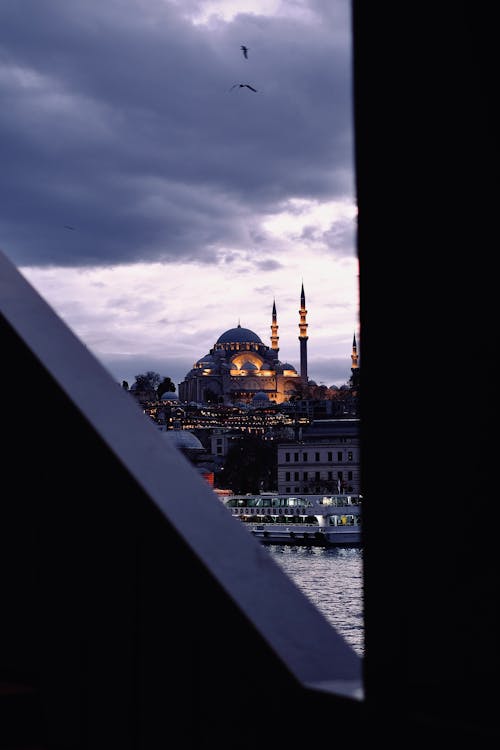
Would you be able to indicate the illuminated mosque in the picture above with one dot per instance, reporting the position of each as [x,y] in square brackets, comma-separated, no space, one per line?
[241,369]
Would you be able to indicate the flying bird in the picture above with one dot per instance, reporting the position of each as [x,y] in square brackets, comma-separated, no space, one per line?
[244,50]
[67,226]
[243,85]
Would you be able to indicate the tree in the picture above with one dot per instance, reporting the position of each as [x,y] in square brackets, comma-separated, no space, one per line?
[125,385]
[148,381]
[166,386]
[251,465]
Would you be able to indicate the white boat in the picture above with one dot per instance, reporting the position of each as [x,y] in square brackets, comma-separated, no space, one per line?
[312,520]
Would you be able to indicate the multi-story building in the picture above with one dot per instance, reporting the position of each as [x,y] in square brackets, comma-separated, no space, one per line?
[326,458]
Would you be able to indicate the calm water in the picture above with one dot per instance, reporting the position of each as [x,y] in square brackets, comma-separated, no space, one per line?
[333,580]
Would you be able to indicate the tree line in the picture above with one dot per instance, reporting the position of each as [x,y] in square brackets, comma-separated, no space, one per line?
[151,382]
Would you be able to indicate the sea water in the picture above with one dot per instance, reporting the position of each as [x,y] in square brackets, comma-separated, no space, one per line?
[333,580]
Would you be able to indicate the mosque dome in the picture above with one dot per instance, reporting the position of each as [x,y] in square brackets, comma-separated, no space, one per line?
[169,396]
[260,397]
[288,366]
[239,335]
[183,439]
[207,359]
[249,366]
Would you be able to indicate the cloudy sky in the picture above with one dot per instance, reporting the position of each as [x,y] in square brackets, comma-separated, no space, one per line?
[152,204]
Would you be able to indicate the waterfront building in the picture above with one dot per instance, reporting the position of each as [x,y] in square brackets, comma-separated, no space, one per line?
[325,458]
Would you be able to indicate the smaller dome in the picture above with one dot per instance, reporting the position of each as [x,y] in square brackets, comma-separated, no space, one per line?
[312,382]
[334,387]
[288,366]
[183,439]
[207,359]
[260,396]
[249,366]
[169,396]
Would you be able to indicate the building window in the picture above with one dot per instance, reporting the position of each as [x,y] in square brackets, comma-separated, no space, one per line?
[296,477]
[330,456]
[330,475]
[349,475]
[287,489]
[339,474]
[287,476]
[339,456]
[219,450]
[317,476]
[306,477]
[349,455]
[287,457]
[316,456]
[304,457]
[295,456]
[296,489]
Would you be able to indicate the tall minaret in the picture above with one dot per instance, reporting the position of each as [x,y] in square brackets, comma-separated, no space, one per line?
[354,355]
[274,330]
[303,336]
[354,379]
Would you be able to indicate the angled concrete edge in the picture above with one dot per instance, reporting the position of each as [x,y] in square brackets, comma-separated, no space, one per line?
[312,650]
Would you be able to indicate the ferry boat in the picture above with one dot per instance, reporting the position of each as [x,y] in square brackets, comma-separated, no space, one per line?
[310,520]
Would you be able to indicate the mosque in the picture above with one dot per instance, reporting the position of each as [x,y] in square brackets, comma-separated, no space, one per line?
[240,368]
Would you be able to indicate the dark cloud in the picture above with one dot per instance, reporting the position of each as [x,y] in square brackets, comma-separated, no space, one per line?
[117,120]
[268,265]
[341,238]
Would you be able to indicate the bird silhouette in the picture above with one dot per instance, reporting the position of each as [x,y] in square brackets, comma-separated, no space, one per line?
[243,85]
[67,226]
[244,50]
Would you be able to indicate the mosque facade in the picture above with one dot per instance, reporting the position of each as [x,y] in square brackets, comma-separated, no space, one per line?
[240,368]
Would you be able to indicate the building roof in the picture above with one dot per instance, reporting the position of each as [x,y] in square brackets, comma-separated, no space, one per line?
[183,439]
[239,335]
[260,396]
[326,427]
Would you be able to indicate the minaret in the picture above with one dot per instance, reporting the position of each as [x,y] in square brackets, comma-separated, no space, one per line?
[303,336]
[274,330]
[354,355]
[354,379]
